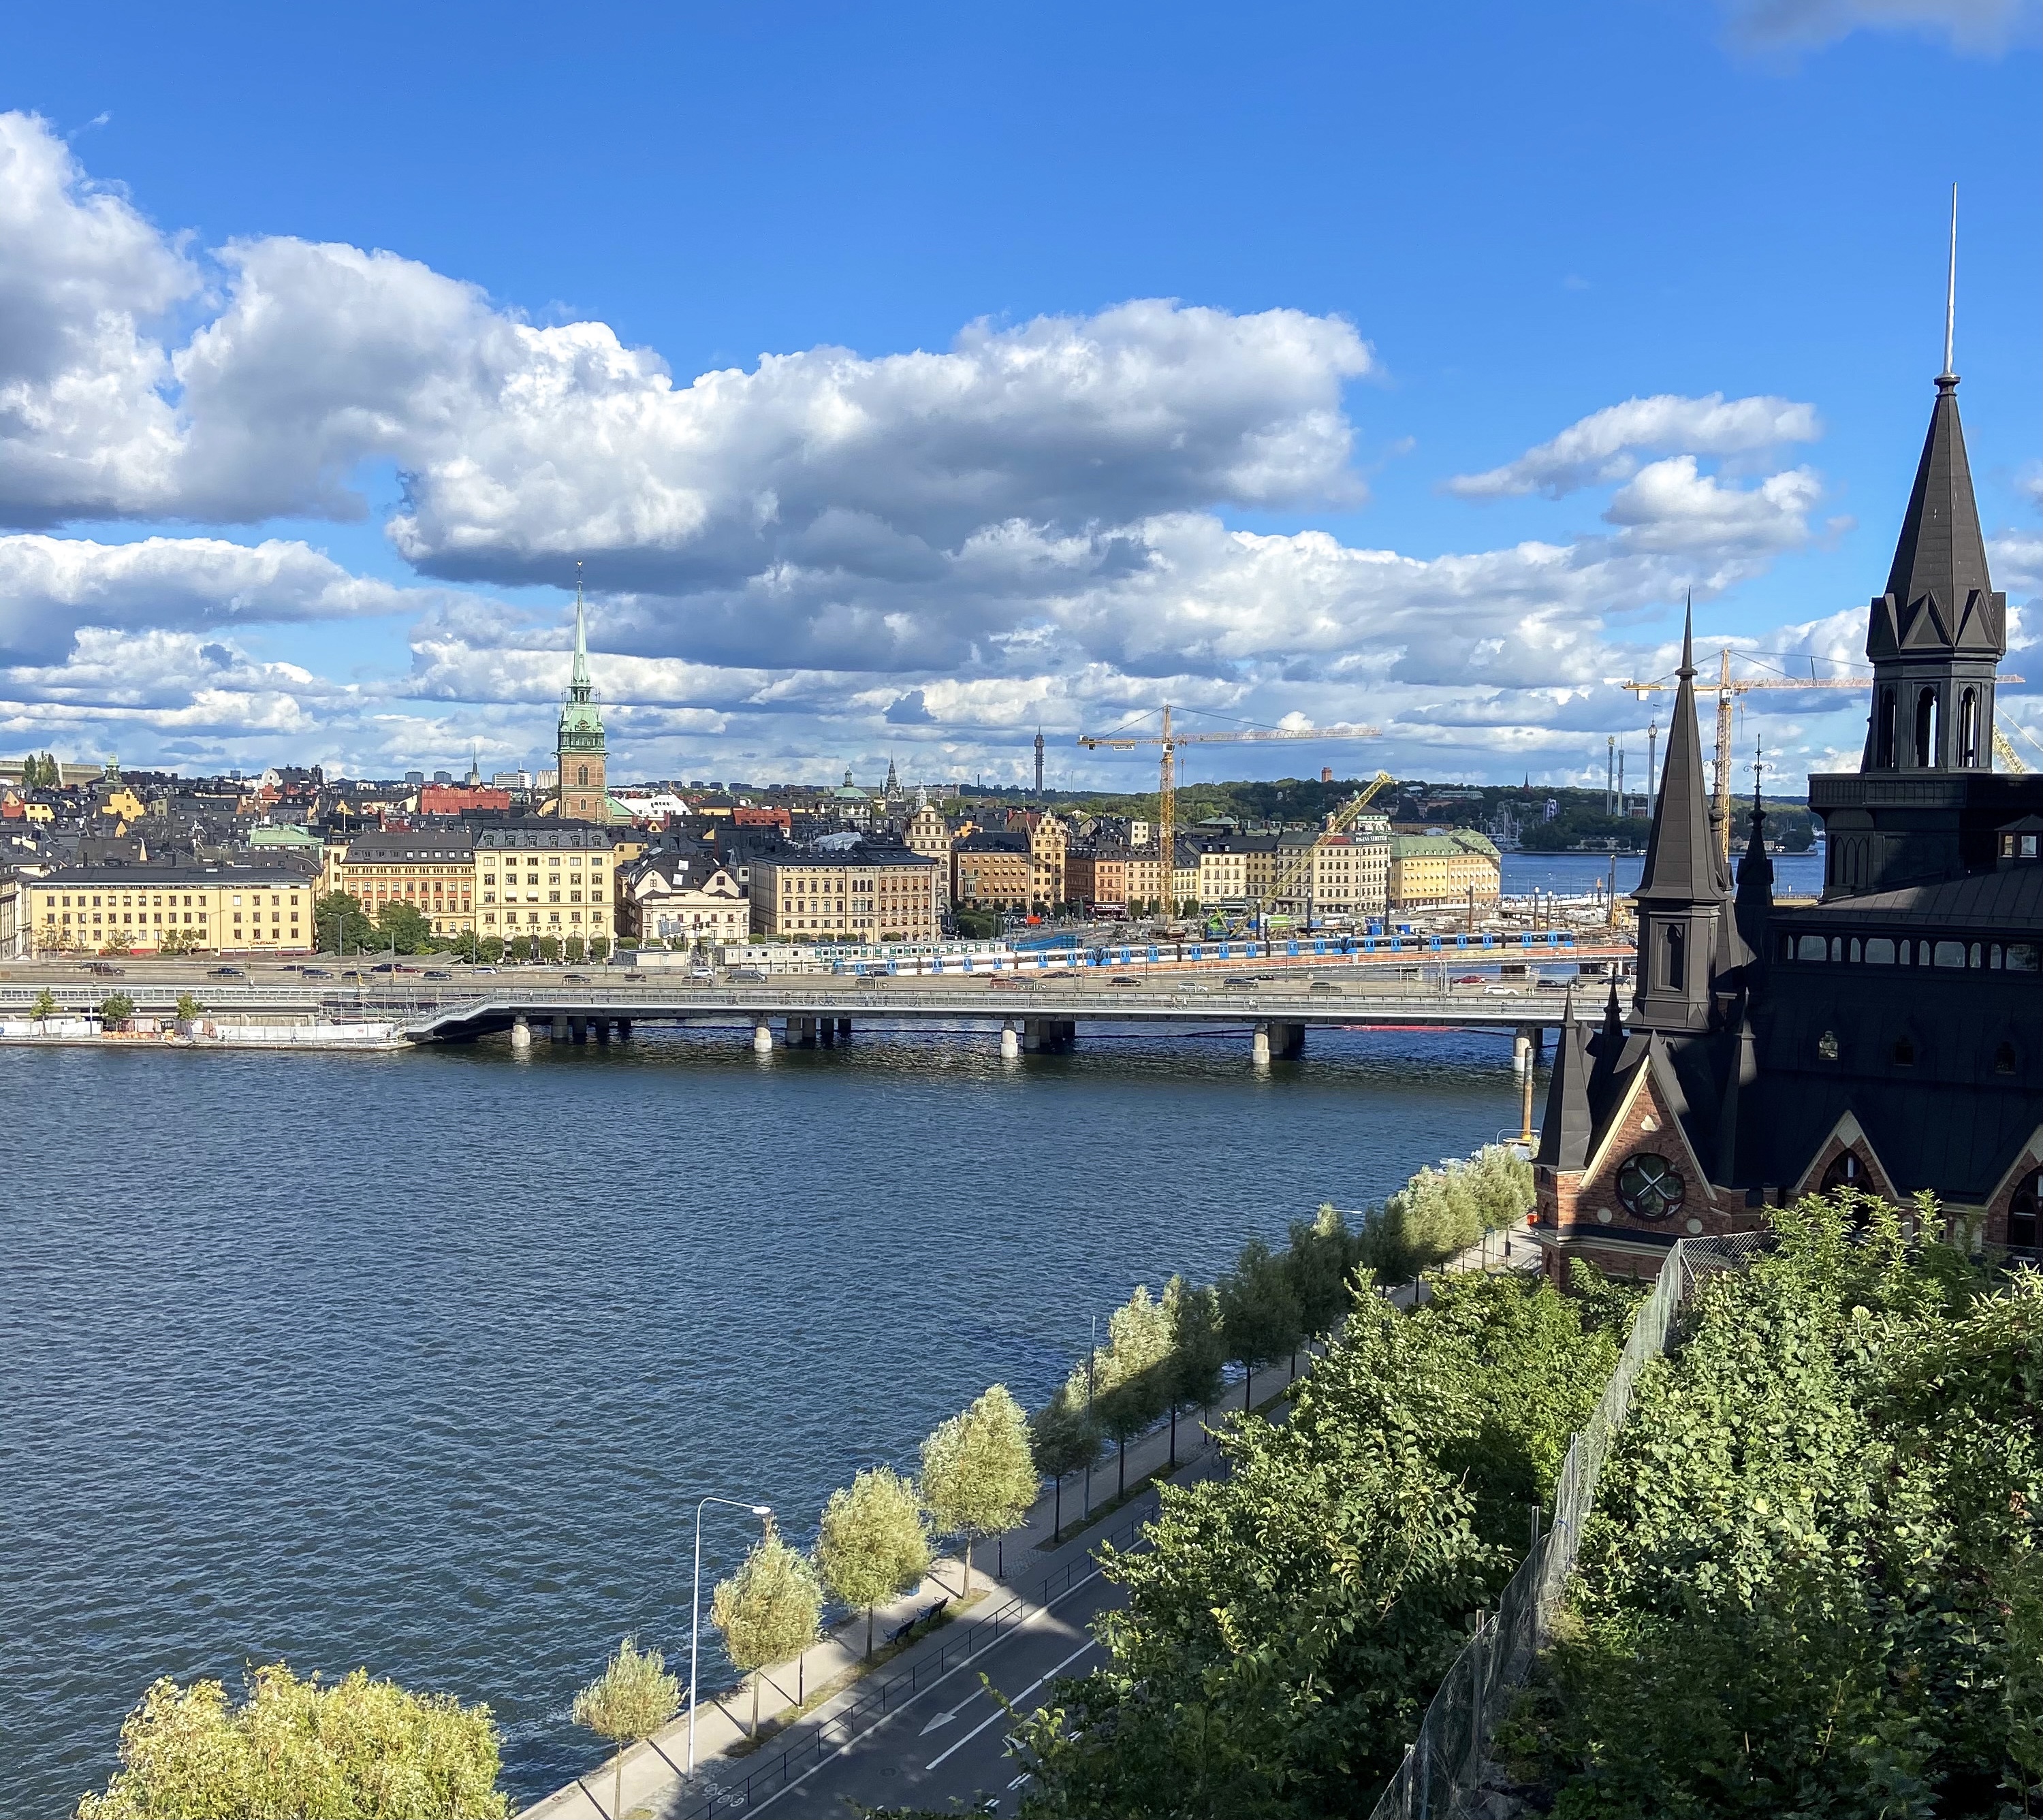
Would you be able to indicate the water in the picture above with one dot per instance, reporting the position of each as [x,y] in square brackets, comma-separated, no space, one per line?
[417,1362]
[1577,875]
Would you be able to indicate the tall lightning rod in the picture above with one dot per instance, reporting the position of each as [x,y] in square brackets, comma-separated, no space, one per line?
[1951,290]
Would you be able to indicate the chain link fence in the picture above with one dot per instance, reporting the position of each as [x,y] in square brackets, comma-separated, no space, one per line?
[1445,1765]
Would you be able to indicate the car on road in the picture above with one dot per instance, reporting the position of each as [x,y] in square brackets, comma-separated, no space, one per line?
[220,973]
[574,980]
[1323,985]
[1502,991]
[1124,979]
[437,973]
[701,973]
[1011,982]
[386,966]
[630,977]
[1468,979]
[104,969]
[1240,983]
[482,969]
[1554,985]
[315,973]
[747,975]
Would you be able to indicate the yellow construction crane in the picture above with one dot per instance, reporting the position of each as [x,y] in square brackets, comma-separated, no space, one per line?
[1170,740]
[1728,688]
[2007,753]
[1301,862]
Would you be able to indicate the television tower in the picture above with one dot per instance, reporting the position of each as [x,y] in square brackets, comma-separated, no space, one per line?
[1039,761]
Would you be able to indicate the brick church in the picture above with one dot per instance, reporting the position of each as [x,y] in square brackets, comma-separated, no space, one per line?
[1889,1037]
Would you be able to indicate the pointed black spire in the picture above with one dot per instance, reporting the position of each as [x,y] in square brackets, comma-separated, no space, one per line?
[1565,1130]
[1608,1047]
[1684,942]
[1938,632]
[1681,862]
[1755,885]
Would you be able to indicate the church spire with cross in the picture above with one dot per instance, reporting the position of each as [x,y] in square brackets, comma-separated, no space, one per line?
[581,750]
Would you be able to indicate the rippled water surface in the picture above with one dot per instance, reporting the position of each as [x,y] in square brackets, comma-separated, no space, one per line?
[415,1361]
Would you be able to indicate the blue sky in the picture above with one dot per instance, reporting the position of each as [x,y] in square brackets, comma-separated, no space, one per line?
[273,498]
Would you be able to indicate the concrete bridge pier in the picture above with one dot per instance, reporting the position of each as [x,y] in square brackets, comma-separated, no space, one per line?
[577,1030]
[1258,1046]
[601,1026]
[1033,1039]
[560,1030]
[1287,1041]
[624,1029]
[844,1029]
[1068,1031]
[1010,1043]
[828,1032]
[521,1034]
[762,1035]
[1521,1055]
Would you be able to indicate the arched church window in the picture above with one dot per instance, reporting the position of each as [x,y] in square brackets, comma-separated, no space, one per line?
[1883,755]
[1649,1186]
[1925,729]
[2022,1211]
[1675,941]
[1968,730]
[1845,1171]
[1904,1051]
[583,778]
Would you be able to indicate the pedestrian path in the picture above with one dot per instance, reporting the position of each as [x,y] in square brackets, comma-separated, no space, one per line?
[1014,1577]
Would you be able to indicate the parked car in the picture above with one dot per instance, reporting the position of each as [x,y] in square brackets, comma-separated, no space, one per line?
[747,975]
[219,973]
[104,969]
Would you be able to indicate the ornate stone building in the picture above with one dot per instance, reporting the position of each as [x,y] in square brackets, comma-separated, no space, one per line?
[582,754]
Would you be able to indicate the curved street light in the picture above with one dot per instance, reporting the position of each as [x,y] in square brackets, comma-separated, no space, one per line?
[763,1511]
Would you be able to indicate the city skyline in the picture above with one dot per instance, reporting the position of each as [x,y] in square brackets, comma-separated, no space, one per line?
[278,495]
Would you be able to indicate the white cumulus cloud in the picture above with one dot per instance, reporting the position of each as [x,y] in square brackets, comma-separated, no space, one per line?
[1606,445]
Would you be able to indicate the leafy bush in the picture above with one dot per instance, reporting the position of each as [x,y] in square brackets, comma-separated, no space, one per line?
[1812,1583]
[1441,1212]
[116,1008]
[1292,1620]
[358,1750]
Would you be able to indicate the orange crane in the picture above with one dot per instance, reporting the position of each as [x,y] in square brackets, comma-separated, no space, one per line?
[1301,863]
[1728,688]
[1170,740]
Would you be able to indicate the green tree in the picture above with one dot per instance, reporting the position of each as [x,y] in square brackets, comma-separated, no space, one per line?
[467,946]
[549,949]
[180,941]
[574,950]
[490,951]
[115,1009]
[189,1010]
[768,1610]
[521,948]
[873,1544]
[1064,1439]
[1259,1314]
[978,1477]
[1198,1351]
[45,1006]
[1130,1387]
[340,925]
[632,1698]
[403,927]
[598,947]
[357,1750]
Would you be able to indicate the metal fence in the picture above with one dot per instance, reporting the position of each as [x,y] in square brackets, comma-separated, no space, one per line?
[832,1732]
[1445,1766]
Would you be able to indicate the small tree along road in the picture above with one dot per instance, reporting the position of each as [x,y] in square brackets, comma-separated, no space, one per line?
[977,1476]
[632,1698]
[874,1544]
[357,1748]
[768,1609]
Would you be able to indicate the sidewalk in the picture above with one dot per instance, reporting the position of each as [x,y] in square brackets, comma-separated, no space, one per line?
[1004,1571]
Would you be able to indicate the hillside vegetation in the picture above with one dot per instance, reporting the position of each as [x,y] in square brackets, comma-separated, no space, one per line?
[1812,1584]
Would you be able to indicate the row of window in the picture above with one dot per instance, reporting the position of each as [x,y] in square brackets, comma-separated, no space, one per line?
[1910,951]
[129,900]
[1902,1052]
[511,918]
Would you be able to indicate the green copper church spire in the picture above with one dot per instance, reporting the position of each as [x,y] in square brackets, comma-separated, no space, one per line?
[578,684]
[580,751]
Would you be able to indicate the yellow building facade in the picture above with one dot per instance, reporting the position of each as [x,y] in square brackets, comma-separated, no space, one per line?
[205,909]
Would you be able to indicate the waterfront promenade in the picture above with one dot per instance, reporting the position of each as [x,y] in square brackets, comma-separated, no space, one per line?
[922,1728]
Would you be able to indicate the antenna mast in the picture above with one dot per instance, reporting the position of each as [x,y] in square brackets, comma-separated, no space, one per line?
[1951,290]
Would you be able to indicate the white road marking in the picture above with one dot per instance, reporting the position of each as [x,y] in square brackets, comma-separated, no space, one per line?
[852,1744]
[1000,1712]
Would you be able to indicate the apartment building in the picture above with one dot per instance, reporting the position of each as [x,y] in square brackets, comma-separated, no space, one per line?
[871,891]
[432,869]
[543,878]
[210,909]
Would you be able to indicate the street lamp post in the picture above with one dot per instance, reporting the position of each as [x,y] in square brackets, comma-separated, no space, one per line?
[695,1621]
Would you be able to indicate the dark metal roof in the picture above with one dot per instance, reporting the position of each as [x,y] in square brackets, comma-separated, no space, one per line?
[2010,899]
[567,837]
[1939,595]
[163,878]
[1681,862]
